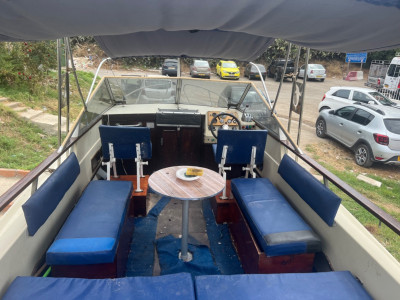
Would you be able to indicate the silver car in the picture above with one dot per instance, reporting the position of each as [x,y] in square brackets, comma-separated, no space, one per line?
[372,132]
[200,68]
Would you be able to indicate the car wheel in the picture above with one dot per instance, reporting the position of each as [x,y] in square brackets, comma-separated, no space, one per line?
[276,77]
[363,156]
[320,128]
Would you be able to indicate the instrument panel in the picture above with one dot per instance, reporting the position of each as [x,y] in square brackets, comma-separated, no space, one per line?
[222,120]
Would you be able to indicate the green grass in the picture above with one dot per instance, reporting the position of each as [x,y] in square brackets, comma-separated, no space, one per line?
[46,95]
[22,144]
[387,197]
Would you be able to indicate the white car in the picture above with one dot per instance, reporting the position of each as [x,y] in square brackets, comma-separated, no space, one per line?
[314,71]
[338,97]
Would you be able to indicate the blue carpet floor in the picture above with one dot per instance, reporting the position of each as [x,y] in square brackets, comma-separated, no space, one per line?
[141,257]
[221,246]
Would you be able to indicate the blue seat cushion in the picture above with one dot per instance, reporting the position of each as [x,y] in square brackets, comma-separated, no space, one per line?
[276,226]
[240,143]
[306,286]
[321,199]
[91,233]
[170,287]
[45,200]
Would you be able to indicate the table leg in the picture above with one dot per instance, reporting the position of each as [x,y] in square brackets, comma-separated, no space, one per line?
[185,256]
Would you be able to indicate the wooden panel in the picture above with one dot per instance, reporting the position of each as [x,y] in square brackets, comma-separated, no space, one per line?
[253,258]
[224,210]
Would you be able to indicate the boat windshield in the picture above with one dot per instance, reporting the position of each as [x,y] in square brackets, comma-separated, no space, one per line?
[180,91]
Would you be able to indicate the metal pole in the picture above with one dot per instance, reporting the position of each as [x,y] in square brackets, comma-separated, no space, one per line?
[303,93]
[68,47]
[296,66]
[179,67]
[67,83]
[185,230]
[263,82]
[283,75]
[95,76]
[59,89]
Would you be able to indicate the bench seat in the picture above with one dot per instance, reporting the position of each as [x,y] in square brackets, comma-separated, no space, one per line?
[91,233]
[277,227]
[328,285]
[174,287]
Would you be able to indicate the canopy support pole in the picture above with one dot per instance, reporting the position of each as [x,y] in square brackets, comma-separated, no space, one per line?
[296,67]
[95,77]
[59,90]
[283,75]
[263,82]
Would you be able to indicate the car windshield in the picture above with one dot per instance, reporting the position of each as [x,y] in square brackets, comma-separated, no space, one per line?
[261,67]
[319,67]
[290,63]
[229,65]
[393,125]
[382,99]
[170,63]
[200,63]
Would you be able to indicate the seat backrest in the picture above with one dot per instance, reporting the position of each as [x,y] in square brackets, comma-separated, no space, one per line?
[240,143]
[321,199]
[124,140]
[45,200]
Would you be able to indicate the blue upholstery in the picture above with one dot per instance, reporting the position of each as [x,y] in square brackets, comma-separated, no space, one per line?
[91,233]
[277,227]
[306,286]
[45,200]
[239,144]
[321,199]
[169,287]
[124,139]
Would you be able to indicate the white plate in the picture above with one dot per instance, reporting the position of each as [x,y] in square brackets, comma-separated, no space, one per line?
[181,175]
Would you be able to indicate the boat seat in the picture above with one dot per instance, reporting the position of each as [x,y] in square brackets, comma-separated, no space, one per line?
[306,286]
[277,227]
[170,287]
[92,231]
[239,147]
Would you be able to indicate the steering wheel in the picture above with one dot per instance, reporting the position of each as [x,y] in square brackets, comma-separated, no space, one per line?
[217,117]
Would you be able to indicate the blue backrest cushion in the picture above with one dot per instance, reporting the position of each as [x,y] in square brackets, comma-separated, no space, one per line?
[45,200]
[169,287]
[240,143]
[321,199]
[124,140]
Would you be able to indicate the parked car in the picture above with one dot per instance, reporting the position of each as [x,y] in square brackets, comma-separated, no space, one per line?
[314,71]
[372,132]
[200,68]
[170,67]
[338,97]
[228,69]
[251,72]
[275,69]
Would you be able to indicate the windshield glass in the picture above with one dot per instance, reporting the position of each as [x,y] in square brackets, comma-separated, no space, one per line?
[319,67]
[382,99]
[261,67]
[200,63]
[229,65]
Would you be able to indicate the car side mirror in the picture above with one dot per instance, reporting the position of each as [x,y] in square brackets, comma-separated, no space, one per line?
[331,112]
[371,102]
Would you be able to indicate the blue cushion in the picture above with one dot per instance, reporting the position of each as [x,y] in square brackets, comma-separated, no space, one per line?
[321,199]
[124,140]
[240,143]
[45,200]
[174,287]
[91,233]
[276,226]
[307,286]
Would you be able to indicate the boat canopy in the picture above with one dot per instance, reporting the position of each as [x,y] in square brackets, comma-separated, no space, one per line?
[210,28]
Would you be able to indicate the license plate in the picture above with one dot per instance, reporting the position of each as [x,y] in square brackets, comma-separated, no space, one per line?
[257,76]
[386,85]
[171,68]
[201,74]
[319,76]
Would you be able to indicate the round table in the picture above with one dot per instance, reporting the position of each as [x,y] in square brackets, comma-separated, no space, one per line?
[166,183]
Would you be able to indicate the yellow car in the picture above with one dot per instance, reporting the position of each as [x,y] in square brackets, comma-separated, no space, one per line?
[228,69]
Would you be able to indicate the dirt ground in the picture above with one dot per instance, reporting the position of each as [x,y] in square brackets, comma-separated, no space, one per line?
[332,152]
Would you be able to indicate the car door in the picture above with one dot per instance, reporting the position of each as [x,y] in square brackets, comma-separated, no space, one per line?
[361,97]
[337,123]
[355,127]
[339,98]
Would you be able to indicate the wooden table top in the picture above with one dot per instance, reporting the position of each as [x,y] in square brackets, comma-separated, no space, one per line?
[166,183]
